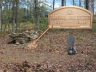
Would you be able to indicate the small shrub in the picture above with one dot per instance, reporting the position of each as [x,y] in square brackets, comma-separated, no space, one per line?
[28,22]
[43,27]
[85,32]
[41,20]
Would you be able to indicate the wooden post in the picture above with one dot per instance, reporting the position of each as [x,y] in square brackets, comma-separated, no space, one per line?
[34,42]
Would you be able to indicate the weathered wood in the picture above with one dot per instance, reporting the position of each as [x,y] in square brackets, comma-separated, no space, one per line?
[70,42]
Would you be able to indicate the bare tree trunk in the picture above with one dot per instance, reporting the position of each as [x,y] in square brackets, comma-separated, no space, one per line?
[0,15]
[13,25]
[38,21]
[53,4]
[2,19]
[27,10]
[24,11]
[35,1]
[36,13]
[17,24]
[80,3]
[7,21]
[30,11]
[73,2]
[5,30]
[62,2]
[92,6]
[87,4]
[9,16]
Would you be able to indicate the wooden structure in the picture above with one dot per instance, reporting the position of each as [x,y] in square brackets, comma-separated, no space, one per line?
[69,17]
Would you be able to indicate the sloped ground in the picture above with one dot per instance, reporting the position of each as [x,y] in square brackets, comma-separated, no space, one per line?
[50,55]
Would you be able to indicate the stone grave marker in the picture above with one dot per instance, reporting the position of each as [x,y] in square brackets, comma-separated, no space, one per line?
[70,42]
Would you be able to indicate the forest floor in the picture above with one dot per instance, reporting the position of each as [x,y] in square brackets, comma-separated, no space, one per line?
[50,54]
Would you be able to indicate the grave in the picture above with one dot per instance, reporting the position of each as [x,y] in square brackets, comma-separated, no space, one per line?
[69,17]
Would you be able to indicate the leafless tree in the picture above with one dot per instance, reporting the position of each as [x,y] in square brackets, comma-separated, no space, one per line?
[80,3]
[53,4]
[13,24]
[0,13]
[87,4]
[65,2]
[62,2]
[92,6]
[17,6]
[36,12]
[73,2]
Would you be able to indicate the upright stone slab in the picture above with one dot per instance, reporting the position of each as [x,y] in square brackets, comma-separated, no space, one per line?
[70,42]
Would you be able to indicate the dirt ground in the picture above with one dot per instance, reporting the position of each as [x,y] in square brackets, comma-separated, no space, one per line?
[50,54]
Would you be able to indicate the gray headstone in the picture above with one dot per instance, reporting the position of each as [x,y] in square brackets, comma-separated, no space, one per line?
[70,42]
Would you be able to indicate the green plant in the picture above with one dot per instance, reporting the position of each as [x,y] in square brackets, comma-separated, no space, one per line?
[41,20]
[77,43]
[4,58]
[43,27]
[86,44]
[12,58]
[85,32]
[63,39]
[67,32]
[94,34]
[83,38]
[77,36]
[94,26]
[28,22]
